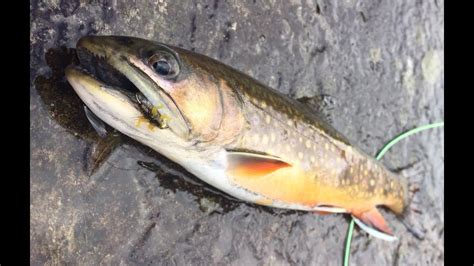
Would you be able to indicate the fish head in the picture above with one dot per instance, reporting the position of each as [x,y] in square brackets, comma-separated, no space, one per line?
[150,91]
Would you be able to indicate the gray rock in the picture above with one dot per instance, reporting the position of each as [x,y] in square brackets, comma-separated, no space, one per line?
[381,60]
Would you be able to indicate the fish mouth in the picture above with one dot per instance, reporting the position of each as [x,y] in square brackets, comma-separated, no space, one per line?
[104,64]
[96,66]
[113,105]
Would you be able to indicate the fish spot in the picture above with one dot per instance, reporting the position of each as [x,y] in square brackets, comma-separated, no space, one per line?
[265,139]
[326,146]
[272,137]
[392,184]
[372,182]
[264,104]
[267,119]
[312,159]
[287,147]
[366,172]
[256,138]
[300,139]
[300,155]
[289,122]
[308,144]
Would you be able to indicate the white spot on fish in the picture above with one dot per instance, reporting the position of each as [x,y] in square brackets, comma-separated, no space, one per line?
[272,137]
[267,119]
[256,138]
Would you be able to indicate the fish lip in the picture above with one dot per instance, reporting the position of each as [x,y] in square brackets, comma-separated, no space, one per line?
[112,105]
[105,49]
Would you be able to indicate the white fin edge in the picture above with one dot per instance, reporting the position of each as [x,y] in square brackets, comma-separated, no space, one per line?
[329,209]
[373,232]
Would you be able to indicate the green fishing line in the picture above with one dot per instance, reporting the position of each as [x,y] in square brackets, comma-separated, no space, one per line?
[378,157]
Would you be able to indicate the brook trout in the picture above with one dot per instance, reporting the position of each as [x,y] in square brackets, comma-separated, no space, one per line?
[231,131]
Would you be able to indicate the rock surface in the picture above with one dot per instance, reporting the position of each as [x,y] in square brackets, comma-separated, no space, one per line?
[381,61]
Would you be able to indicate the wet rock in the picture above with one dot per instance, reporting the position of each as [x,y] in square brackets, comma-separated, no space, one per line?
[381,60]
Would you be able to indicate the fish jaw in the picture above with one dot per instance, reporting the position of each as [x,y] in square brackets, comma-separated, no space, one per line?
[118,109]
[106,103]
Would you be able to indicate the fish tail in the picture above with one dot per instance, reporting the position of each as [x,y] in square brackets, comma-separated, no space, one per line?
[399,200]
[406,206]
[409,182]
[372,222]
[410,218]
[394,197]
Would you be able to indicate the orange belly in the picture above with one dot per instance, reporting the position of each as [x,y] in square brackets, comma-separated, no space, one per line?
[292,185]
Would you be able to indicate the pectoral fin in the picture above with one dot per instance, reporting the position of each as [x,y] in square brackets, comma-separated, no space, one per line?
[97,124]
[323,208]
[244,164]
[100,151]
[374,224]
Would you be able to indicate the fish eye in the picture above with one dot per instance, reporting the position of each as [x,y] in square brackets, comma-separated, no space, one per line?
[162,67]
[164,64]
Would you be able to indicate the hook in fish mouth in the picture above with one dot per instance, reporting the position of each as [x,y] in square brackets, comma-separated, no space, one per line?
[107,60]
